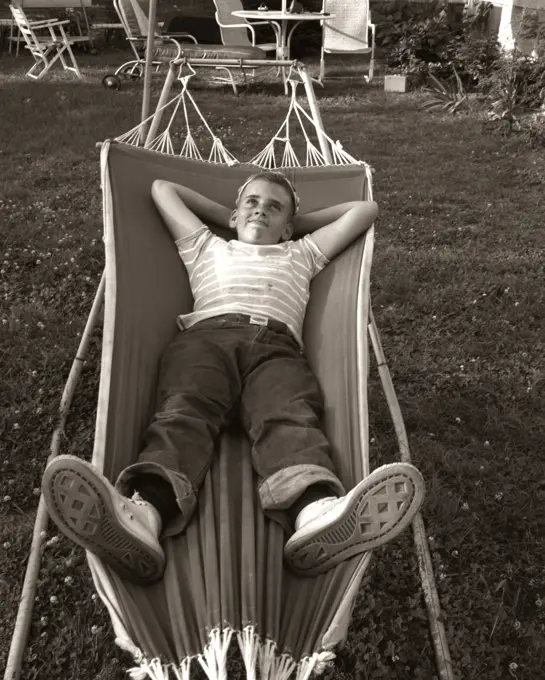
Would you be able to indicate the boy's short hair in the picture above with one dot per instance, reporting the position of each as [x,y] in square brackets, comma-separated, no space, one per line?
[276,178]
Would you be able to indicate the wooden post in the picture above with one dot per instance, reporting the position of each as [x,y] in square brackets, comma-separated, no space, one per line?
[152,16]
[316,117]
[156,120]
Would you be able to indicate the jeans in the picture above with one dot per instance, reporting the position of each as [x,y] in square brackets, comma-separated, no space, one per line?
[220,368]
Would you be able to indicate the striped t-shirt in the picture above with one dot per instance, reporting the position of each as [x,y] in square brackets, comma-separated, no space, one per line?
[243,278]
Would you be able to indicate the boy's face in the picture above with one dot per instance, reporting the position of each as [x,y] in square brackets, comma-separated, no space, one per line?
[263,214]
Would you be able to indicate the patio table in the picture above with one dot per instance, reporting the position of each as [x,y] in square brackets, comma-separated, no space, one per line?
[286,23]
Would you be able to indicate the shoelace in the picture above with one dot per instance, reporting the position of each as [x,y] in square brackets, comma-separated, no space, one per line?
[137,499]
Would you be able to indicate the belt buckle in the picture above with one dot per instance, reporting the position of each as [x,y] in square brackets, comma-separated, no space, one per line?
[258,320]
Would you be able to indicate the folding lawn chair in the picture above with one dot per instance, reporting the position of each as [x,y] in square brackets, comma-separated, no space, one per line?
[47,49]
[225,578]
[166,47]
[134,20]
[347,32]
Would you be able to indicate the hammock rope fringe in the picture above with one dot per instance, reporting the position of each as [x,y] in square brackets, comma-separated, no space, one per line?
[268,157]
[213,660]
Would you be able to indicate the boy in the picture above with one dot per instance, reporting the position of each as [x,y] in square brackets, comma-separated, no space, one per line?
[242,348]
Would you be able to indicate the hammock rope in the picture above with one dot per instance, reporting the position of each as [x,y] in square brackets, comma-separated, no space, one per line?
[269,157]
[249,648]
[213,661]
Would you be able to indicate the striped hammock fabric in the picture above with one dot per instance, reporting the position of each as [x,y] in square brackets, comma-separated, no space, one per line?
[225,581]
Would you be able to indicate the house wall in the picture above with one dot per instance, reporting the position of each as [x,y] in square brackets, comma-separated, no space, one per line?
[507,16]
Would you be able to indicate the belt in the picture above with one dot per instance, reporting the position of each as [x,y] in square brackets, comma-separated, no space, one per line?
[258,320]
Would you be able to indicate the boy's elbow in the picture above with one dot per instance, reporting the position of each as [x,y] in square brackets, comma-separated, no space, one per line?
[160,190]
[156,187]
[373,208]
[369,212]
[159,184]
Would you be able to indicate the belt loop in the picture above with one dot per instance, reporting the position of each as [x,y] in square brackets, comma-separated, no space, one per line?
[259,320]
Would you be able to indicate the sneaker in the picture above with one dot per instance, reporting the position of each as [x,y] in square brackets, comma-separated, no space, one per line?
[122,532]
[375,511]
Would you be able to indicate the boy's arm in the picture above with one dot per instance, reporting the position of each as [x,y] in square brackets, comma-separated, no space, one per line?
[334,229]
[184,210]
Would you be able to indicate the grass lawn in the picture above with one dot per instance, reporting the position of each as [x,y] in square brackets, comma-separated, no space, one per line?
[459,299]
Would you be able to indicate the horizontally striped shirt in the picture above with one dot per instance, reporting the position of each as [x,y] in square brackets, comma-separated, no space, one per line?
[243,278]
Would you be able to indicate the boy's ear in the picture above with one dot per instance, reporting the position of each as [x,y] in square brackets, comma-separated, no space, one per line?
[233,219]
[288,231]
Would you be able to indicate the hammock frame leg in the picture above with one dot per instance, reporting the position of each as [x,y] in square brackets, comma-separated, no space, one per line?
[28,592]
[146,95]
[163,98]
[425,565]
[317,118]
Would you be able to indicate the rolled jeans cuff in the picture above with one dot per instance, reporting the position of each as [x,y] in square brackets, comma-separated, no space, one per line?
[283,488]
[186,497]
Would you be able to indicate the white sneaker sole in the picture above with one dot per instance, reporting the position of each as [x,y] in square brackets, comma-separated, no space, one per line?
[376,510]
[87,509]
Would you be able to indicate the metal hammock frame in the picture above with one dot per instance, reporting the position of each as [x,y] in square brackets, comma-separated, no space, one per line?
[329,153]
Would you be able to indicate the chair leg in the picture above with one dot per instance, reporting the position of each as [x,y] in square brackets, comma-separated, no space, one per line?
[372,62]
[48,63]
[31,73]
[41,62]
[322,68]
[75,67]
[227,80]
[11,35]
[19,37]
[62,59]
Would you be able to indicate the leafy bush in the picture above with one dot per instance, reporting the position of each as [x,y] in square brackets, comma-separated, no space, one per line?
[435,39]
[532,26]
[532,130]
[474,56]
[415,41]
[529,74]
[516,92]
[516,87]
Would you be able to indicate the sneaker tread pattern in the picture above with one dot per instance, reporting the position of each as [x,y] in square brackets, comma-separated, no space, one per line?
[78,508]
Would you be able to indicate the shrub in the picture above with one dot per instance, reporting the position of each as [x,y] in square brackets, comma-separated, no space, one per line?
[416,41]
[532,26]
[532,130]
[475,56]
[519,79]
[435,39]
[516,91]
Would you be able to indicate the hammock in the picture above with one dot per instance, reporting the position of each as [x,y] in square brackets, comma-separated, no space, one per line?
[225,581]
[225,574]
